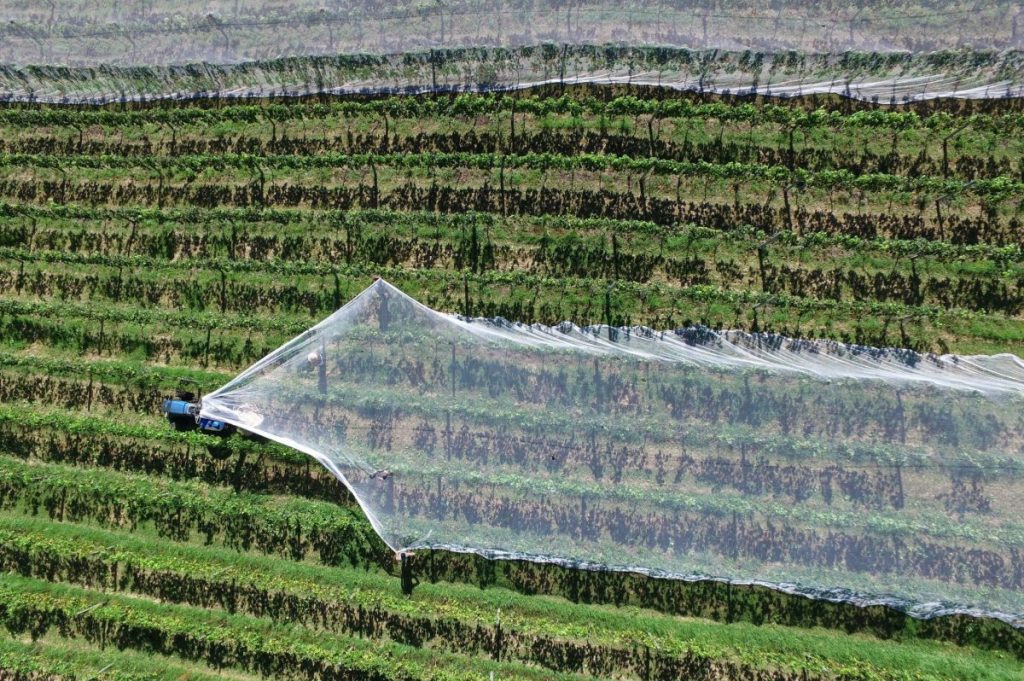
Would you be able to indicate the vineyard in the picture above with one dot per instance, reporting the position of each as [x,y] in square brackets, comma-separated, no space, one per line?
[147,245]
[223,32]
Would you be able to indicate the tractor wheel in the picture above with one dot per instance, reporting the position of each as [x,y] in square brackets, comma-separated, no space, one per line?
[181,423]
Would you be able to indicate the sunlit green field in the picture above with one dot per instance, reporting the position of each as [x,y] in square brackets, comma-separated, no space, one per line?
[150,248]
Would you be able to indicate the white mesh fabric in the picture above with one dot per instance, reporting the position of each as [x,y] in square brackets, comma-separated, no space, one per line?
[162,32]
[877,475]
[892,51]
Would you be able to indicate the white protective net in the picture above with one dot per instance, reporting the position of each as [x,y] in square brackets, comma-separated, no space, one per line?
[894,51]
[847,472]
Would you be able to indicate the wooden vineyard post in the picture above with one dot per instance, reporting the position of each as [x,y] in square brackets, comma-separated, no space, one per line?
[409,580]
[498,637]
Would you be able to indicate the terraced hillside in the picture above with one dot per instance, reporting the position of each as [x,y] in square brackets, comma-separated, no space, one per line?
[140,248]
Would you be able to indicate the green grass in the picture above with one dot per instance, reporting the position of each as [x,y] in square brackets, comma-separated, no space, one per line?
[774,646]
[108,303]
[55,657]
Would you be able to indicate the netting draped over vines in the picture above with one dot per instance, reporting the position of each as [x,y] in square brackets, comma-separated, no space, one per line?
[849,472]
[893,51]
[231,31]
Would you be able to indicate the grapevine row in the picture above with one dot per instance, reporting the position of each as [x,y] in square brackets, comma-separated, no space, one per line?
[290,234]
[472,105]
[35,608]
[996,188]
[940,223]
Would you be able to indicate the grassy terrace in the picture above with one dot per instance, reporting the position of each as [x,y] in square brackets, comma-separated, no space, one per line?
[139,248]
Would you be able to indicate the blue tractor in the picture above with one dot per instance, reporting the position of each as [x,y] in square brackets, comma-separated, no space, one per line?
[183,414]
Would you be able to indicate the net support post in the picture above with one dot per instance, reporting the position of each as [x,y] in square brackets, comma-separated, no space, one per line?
[409,580]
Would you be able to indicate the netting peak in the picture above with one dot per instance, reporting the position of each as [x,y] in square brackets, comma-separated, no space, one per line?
[888,475]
